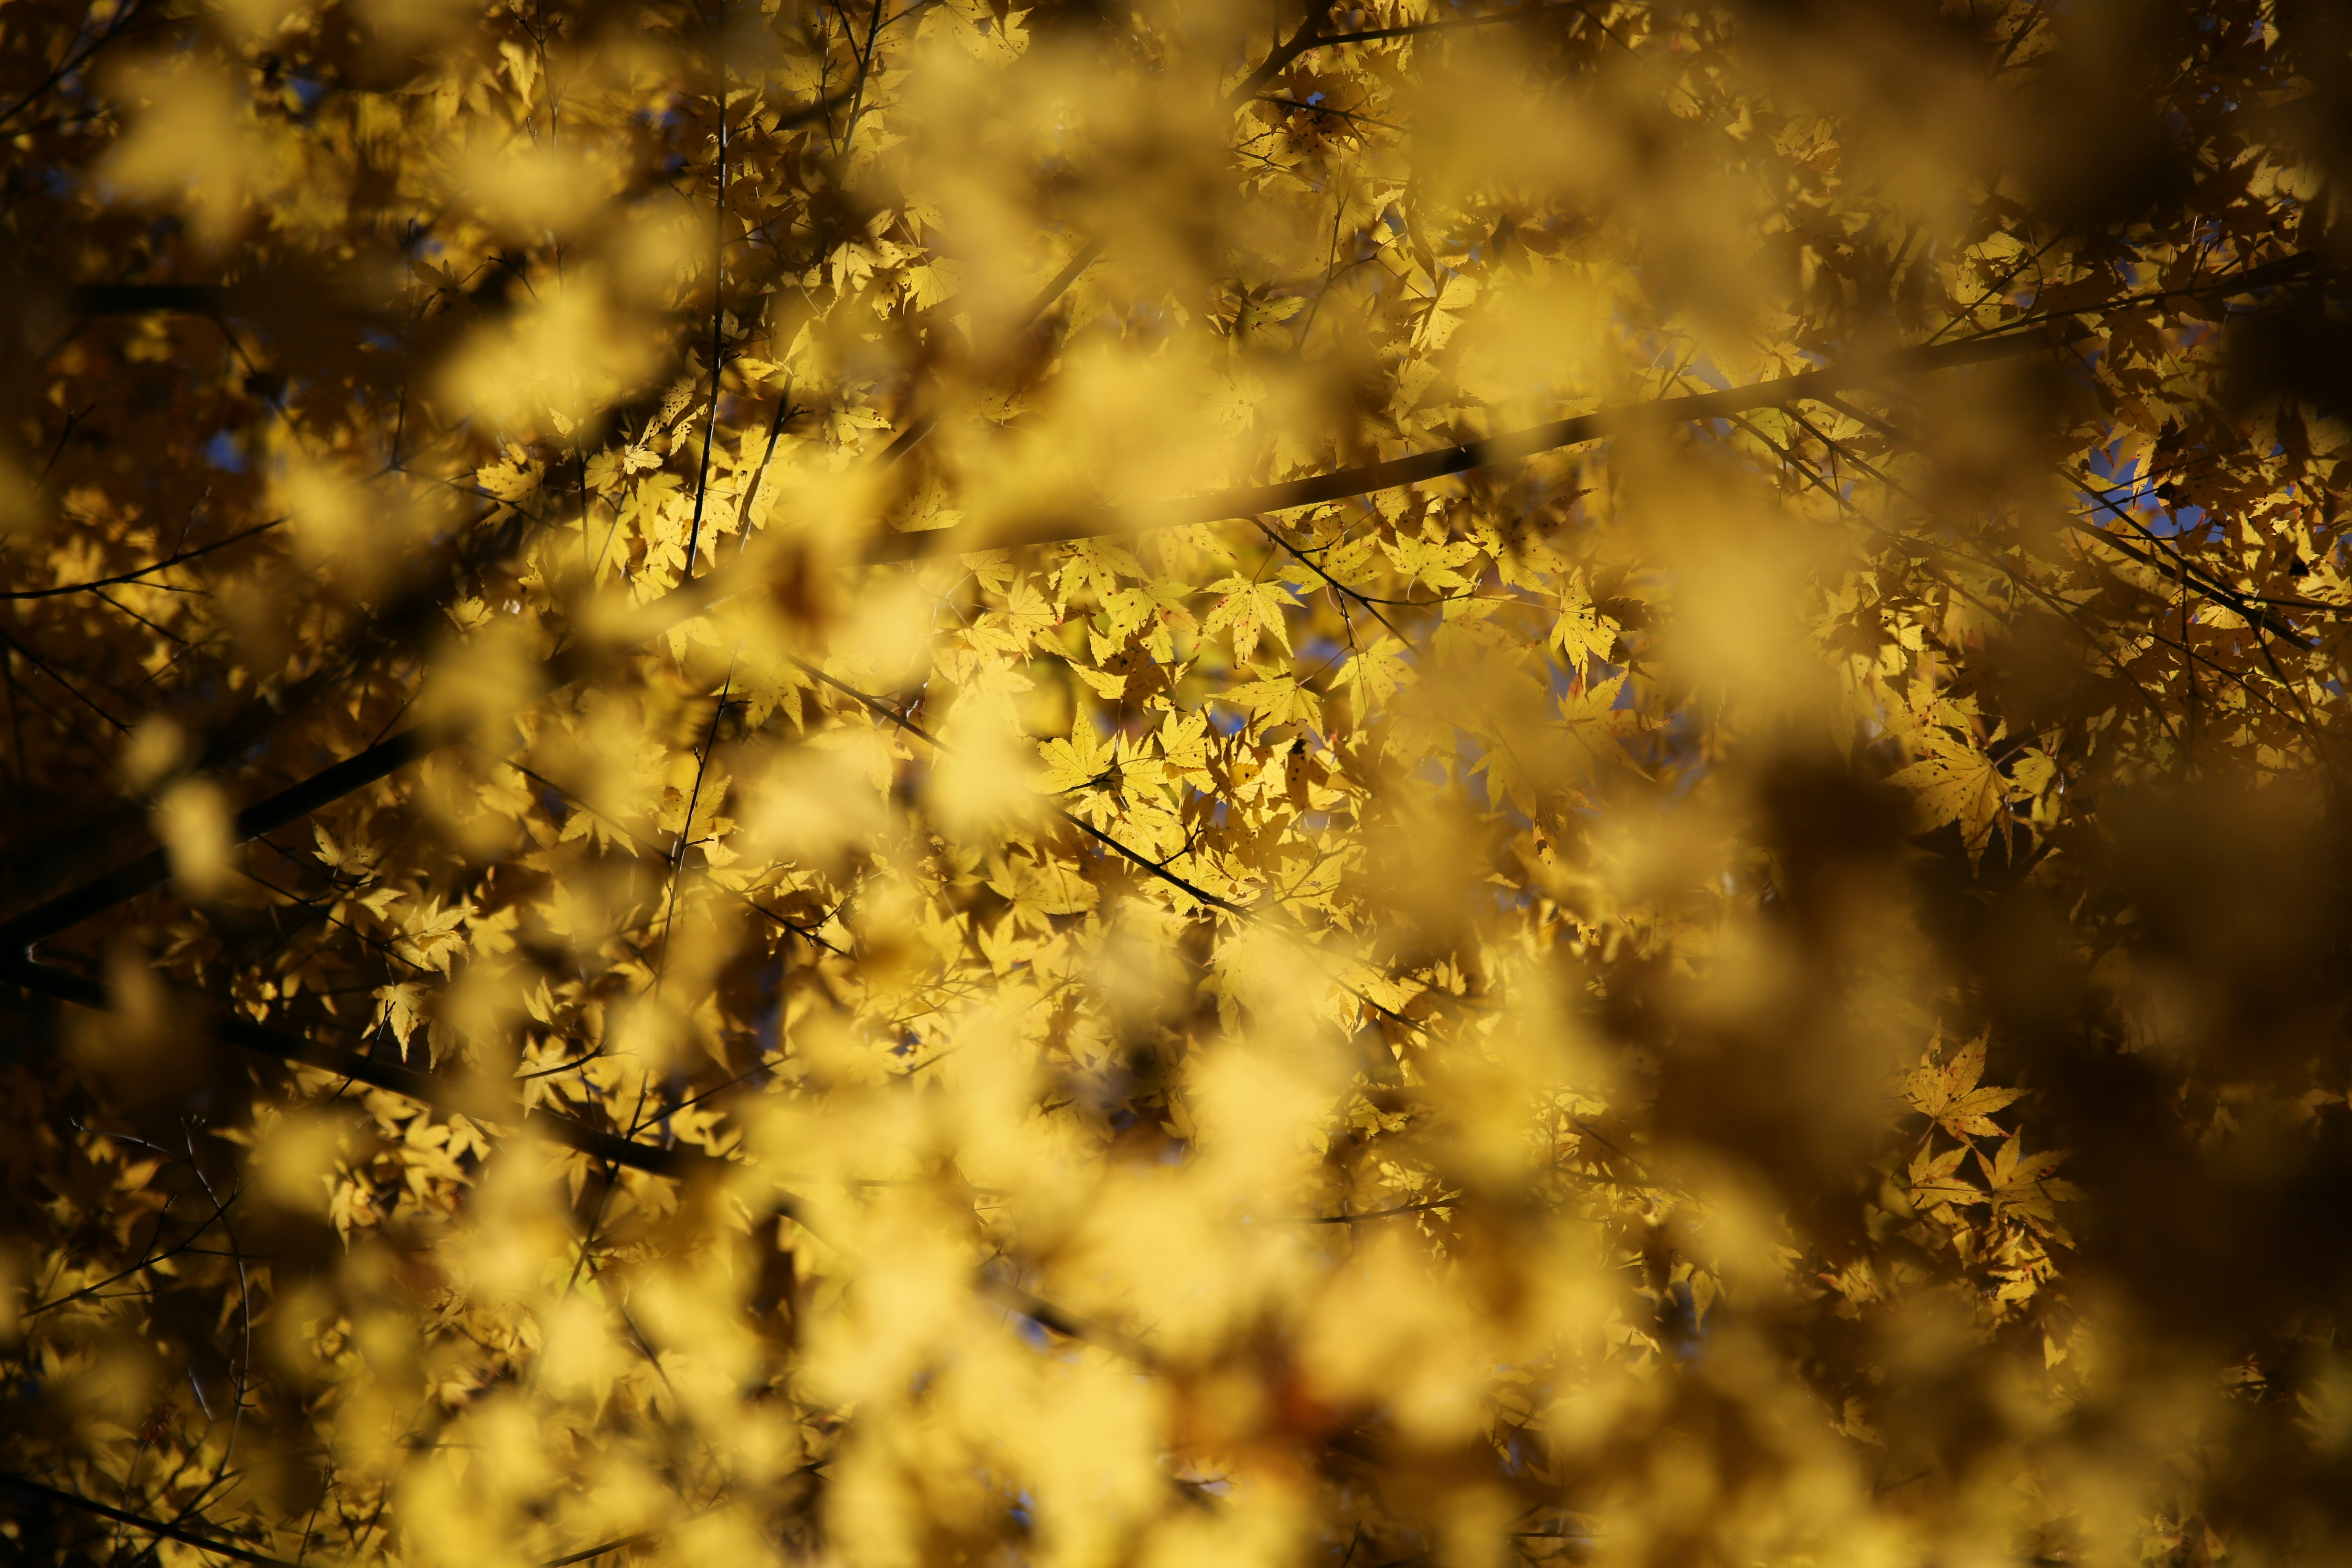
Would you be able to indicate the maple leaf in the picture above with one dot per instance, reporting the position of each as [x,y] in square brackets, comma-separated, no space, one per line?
[1249,609]
[1935,1179]
[1953,781]
[1511,774]
[2021,1181]
[1158,604]
[1026,612]
[1095,567]
[1595,719]
[707,795]
[1276,699]
[1946,1094]
[434,937]
[1077,762]
[513,479]
[1185,749]
[1258,313]
[355,861]
[1040,889]
[1583,632]
[400,1007]
[1434,563]
[1376,673]
[2032,773]
[1104,684]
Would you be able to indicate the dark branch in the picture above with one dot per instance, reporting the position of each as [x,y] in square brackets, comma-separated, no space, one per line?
[1423,467]
[693,598]
[184,555]
[1318,13]
[1413,29]
[427,1088]
[169,1531]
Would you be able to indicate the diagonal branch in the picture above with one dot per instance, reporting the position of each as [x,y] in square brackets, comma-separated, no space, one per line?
[75,60]
[427,1088]
[37,662]
[1423,467]
[1055,286]
[1414,29]
[157,1527]
[695,597]
[452,1099]
[1318,13]
[2220,592]
[169,1531]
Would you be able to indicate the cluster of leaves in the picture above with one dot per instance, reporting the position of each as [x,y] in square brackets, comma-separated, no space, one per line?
[905,781]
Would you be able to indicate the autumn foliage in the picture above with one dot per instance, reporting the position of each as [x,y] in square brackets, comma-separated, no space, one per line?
[910,782]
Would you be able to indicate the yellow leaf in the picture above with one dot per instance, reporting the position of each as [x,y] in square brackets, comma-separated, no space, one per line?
[1952,781]
[1947,1094]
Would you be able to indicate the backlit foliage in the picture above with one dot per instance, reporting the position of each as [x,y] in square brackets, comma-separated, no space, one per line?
[905,782]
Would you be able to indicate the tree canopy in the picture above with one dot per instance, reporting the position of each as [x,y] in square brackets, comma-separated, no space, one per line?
[906,782]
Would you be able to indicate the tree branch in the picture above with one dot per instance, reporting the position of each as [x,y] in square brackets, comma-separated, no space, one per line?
[912,435]
[1318,13]
[695,597]
[1423,467]
[141,1521]
[186,556]
[1414,29]
[427,1088]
